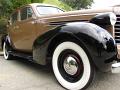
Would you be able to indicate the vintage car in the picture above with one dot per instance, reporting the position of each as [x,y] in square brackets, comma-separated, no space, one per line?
[76,43]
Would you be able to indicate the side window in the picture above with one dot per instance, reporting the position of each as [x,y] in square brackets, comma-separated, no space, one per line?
[29,12]
[26,13]
[23,13]
[14,17]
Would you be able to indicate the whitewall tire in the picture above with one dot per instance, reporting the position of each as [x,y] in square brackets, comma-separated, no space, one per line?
[6,54]
[71,66]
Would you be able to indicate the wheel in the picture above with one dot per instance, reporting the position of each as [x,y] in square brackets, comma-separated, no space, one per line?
[6,54]
[72,66]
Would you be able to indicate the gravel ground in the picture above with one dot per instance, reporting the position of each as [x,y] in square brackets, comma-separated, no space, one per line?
[21,74]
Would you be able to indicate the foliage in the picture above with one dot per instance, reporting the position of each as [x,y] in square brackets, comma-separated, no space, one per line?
[59,4]
[36,1]
[19,3]
[3,23]
[78,4]
[5,7]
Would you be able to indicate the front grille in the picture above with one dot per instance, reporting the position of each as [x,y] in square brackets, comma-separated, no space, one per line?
[117,30]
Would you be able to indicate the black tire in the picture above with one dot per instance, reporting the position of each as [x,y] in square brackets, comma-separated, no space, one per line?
[72,66]
[6,54]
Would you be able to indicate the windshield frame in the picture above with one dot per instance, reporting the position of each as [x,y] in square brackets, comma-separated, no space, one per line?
[48,6]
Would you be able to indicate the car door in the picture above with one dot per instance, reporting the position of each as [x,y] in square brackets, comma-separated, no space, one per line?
[13,28]
[26,30]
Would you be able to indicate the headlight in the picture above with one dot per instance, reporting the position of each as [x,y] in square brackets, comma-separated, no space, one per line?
[104,19]
[113,18]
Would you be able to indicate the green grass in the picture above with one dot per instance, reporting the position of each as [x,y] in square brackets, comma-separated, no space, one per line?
[59,4]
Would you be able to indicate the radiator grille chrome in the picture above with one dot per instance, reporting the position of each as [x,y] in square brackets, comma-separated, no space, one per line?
[117,30]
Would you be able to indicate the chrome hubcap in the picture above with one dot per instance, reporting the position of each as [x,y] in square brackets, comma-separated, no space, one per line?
[70,65]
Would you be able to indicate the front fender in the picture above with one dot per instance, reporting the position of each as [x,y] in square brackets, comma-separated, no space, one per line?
[99,43]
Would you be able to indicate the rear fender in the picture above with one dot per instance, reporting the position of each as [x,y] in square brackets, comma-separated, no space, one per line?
[6,39]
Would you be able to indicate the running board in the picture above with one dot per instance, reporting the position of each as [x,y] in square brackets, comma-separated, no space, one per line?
[22,55]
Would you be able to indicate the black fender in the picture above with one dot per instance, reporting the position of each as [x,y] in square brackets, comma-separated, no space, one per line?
[5,38]
[97,42]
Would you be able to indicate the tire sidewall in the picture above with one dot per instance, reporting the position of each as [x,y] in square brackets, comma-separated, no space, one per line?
[6,55]
[85,79]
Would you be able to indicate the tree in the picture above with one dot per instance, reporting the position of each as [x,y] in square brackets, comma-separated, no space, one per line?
[60,4]
[78,4]
[5,7]
[19,3]
[34,1]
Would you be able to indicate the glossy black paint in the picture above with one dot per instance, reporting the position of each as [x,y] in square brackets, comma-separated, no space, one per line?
[96,41]
[6,38]
[101,19]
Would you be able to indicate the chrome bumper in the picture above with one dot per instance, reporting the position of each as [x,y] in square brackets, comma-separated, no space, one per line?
[116,67]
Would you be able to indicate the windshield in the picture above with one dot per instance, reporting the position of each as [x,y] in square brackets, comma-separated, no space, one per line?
[47,10]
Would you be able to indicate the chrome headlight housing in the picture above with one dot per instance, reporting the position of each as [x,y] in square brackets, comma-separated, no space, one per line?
[113,18]
[104,19]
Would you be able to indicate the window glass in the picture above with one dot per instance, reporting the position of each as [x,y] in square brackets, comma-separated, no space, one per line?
[29,12]
[14,17]
[26,13]
[45,10]
[23,14]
